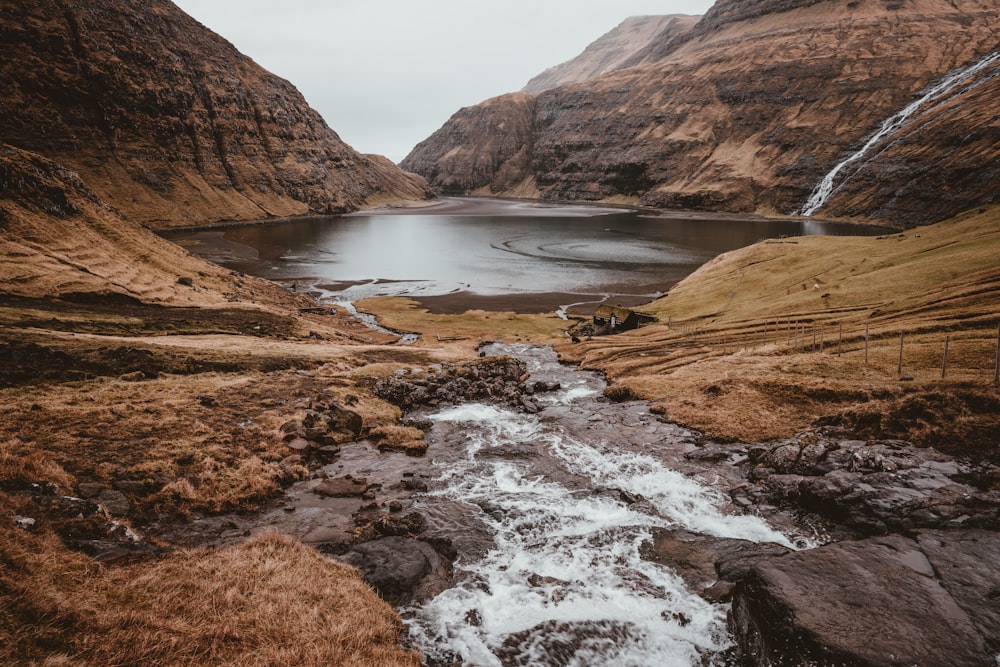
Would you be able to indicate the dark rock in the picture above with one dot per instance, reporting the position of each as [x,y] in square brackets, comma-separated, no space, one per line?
[395,566]
[327,453]
[869,487]
[90,489]
[340,418]
[409,524]
[114,502]
[872,602]
[131,486]
[417,485]
[294,426]
[341,487]
[488,378]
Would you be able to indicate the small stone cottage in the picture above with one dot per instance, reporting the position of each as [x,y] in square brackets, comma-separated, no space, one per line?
[619,318]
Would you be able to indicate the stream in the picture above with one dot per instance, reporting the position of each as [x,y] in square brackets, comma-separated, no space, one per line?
[548,513]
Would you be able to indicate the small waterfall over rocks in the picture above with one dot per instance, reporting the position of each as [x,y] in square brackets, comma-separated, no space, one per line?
[557,508]
[945,88]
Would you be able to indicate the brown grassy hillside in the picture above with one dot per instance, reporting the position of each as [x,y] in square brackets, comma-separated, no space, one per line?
[762,341]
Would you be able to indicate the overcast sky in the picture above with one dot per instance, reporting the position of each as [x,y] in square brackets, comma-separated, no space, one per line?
[385,74]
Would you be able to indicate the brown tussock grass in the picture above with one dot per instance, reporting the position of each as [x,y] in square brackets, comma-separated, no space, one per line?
[467,331]
[750,347]
[270,601]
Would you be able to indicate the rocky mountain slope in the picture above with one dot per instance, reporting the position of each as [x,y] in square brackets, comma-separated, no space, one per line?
[613,50]
[748,110]
[168,122]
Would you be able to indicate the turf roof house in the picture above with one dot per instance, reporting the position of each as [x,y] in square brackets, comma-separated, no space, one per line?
[619,318]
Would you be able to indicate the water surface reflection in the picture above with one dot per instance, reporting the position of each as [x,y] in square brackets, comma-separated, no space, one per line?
[528,255]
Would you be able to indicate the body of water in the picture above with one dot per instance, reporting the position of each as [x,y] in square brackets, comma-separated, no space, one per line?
[526,256]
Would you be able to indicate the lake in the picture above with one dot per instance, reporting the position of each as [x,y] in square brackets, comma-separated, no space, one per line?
[462,253]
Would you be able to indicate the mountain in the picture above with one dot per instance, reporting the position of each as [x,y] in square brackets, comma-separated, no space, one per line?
[747,111]
[168,122]
[613,50]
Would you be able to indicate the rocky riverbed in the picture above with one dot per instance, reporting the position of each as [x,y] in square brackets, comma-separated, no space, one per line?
[539,522]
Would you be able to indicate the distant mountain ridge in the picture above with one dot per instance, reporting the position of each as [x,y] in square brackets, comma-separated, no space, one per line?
[613,50]
[168,122]
[747,111]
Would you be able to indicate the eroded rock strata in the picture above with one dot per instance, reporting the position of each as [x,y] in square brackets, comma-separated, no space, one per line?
[169,122]
[747,111]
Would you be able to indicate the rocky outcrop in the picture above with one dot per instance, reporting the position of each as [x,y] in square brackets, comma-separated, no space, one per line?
[485,149]
[491,378]
[613,50]
[862,487]
[168,122]
[750,108]
[881,601]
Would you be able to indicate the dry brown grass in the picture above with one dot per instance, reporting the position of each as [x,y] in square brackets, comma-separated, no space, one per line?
[206,442]
[467,331]
[734,354]
[270,601]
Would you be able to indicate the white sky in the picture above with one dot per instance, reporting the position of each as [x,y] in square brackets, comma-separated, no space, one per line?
[385,74]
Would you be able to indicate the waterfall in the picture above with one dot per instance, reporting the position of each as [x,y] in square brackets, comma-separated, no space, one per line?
[891,125]
[560,578]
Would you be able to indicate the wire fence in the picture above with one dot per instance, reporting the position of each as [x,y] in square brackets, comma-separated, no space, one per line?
[931,350]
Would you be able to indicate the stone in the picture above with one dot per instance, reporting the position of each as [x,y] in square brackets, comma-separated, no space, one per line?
[90,490]
[393,566]
[341,487]
[340,418]
[292,426]
[298,444]
[870,602]
[114,502]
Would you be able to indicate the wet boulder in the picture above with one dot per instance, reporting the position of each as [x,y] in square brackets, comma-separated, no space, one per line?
[869,487]
[399,568]
[878,601]
[341,487]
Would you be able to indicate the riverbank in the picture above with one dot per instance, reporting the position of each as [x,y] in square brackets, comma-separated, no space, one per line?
[142,412]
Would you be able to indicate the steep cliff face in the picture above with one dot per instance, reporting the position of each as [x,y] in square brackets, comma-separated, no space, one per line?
[168,122]
[613,50]
[484,149]
[750,108]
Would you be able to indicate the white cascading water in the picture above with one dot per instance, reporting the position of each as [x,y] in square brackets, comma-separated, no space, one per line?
[563,582]
[893,124]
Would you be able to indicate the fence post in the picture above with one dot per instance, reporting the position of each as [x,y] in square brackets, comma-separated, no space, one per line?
[996,364]
[866,343]
[814,337]
[944,357]
[899,366]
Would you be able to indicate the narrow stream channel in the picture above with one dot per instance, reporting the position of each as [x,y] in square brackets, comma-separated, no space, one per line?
[548,513]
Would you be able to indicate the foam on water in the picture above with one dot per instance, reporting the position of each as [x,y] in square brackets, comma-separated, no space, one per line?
[564,583]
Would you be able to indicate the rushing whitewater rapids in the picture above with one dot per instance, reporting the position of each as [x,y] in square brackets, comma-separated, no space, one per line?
[543,511]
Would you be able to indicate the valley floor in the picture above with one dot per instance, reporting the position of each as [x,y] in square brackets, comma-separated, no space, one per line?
[124,416]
